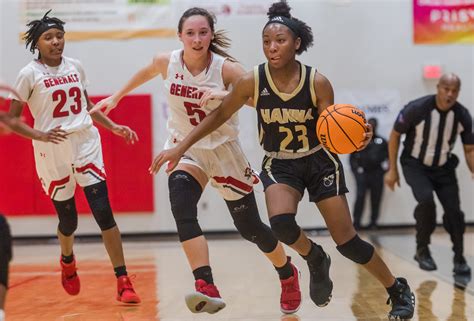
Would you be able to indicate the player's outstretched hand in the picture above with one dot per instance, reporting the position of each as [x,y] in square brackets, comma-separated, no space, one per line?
[392,179]
[369,132]
[210,94]
[55,135]
[108,103]
[126,132]
[172,156]
[5,122]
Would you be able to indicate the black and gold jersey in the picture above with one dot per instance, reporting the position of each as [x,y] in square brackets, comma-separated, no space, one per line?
[286,122]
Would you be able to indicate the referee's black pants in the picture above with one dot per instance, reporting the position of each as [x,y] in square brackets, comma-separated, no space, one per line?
[425,180]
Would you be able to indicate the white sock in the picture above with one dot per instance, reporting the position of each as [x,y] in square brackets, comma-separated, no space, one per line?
[2,315]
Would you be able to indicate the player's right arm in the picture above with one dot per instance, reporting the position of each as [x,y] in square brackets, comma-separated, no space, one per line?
[158,66]
[240,94]
[55,135]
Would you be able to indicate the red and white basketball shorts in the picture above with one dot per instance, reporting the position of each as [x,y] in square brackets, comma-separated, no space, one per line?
[78,159]
[226,167]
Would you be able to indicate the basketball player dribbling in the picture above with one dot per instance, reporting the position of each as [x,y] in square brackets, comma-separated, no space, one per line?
[196,78]
[288,97]
[67,146]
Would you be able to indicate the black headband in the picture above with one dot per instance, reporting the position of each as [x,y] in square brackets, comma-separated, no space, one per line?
[45,26]
[292,25]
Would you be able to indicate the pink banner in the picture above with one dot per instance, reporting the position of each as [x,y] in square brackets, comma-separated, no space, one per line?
[443,21]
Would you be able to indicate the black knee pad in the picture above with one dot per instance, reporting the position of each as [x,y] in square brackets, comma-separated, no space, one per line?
[98,199]
[5,250]
[247,221]
[67,214]
[357,250]
[185,192]
[285,228]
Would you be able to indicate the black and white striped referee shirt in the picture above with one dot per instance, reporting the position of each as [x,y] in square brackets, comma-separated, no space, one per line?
[430,132]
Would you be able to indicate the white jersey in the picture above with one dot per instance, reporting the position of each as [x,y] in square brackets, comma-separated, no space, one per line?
[55,95]
[185,112]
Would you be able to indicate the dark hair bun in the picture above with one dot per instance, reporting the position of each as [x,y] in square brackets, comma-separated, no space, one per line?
[280,8]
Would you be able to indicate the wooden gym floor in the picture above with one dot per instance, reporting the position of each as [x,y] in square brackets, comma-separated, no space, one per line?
[245,279]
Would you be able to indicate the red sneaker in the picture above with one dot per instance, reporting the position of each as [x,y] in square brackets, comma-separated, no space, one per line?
[205,299]
[125,291]
[69,278]
[290,299]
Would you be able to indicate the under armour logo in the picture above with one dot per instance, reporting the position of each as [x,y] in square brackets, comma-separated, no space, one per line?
[264,92]
[95,191]
[43,155]
[178,76]
[328,180]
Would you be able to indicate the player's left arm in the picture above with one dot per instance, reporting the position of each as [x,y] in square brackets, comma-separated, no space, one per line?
[126,132]
[324,92]
[325,98]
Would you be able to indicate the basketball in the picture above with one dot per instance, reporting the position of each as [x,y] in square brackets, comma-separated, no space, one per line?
[340,128]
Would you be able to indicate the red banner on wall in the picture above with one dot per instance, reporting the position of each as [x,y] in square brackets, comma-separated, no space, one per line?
[443,21]
[129,183]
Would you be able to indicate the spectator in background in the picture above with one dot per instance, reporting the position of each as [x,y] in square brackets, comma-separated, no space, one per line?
[431,125]
[368,168]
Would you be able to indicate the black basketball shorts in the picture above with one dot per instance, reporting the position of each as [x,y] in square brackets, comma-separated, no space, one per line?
[321,173]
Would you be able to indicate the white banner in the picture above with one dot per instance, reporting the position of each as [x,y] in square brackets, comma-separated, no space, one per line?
[105,19]
[227,7]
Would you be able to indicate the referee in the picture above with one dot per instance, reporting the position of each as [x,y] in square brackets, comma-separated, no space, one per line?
[431,125]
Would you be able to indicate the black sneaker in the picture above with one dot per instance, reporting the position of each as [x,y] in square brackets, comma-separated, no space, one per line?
[424,259]
[402,300]
[320,284]
[461,267]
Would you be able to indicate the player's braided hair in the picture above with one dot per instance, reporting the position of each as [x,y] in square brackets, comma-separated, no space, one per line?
[220,42]
[37,27]
[298,27]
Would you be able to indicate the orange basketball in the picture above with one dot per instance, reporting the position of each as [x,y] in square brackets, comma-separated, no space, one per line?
[340,128]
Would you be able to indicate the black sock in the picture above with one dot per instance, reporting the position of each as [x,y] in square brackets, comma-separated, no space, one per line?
[204,273]
[67,258]
[120,270]
[286,271]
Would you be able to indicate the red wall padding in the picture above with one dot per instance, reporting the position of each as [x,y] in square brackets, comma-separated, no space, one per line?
[129,183]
